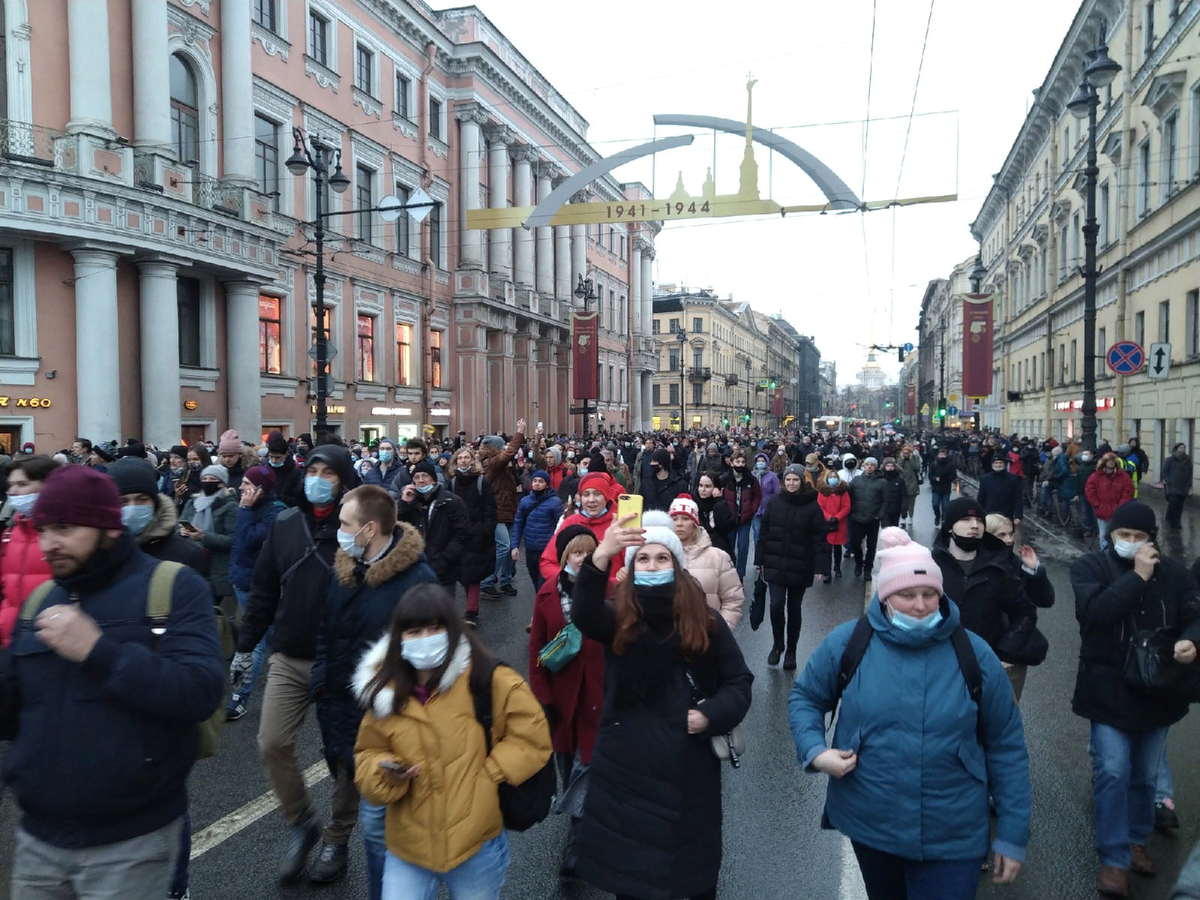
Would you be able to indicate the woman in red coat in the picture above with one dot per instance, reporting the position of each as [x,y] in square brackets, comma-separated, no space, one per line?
[574,695]
[1106,489]
[597,508]
[834,500]
[22,566]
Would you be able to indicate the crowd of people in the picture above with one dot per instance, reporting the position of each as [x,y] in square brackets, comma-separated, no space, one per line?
[147,594]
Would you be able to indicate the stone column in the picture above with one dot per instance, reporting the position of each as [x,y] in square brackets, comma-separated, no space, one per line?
[635,399]
[562,263]
[241,358]
[647,287]
[648,409]
[158,312]
[640,326]
[237,87]
[522,237]
[91,86]
[470,254]
[151,78]
[578,256]
[97,343]
[545,237]
[499,239]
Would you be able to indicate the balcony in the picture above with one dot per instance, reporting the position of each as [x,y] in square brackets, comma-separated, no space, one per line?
[23,142]
[699,373]
[731,380]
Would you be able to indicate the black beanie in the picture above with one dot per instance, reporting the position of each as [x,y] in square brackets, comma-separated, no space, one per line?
[276,443]
[961,508]
[427,467]
[134,475]
[567,535]
[1135,515]
[662,457]
[180,451]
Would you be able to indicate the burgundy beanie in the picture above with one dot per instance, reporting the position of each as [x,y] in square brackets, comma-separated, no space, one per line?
[78,495]
[261,476]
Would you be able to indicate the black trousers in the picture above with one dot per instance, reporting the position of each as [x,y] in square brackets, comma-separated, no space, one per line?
[785,599]
[864,531]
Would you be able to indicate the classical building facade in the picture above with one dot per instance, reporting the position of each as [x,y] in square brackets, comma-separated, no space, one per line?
[156,256]
[940,356]
[1148,210]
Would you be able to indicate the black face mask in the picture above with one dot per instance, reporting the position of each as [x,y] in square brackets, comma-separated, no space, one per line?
[850,464]
[655,468]
[890,473]
[966,543]
[210,487]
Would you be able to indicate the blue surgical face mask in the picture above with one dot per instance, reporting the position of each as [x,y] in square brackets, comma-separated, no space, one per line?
[22,504]
[385,456]
[912,623]
[643,578]
[570,570]
[347,543]
[318,491]
[136,518]
[833,481]
[426,488]
[276,463]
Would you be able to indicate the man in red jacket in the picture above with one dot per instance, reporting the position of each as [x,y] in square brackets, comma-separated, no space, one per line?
[1109,487]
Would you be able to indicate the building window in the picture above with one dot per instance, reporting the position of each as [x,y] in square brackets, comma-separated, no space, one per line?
[1062,254]
[403,355]
[318,332]
[697,325]
[263,12]
[8,305]
[1143,176]
[1066,145]
[612,311]
[266,158]
[364,70]
[185,115]
[1170,134]
[672,326]
[1102,215]
[435,118]
[318,37]
[623,312]
[187,294]
[363,198]
[1148,28]
[622,246]
[1074,358]
[656,327]
[270,345]
[698,358]
[673,395]
[697,394]
[656,394]
[1164,322]
[435,235]
[1139,328]
[1102,345]
[435,359]
[1076,233]
[673,359]
[1192,322]
[1044,257]
[365,361]
[402,233]
[611,378]
[403,92]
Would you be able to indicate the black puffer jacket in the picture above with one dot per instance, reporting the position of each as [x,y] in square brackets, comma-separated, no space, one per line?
[992,599]
[289,482]
[868,493]
[791,538]
[1111,602]
[895,498]
[942,475]
[444,523]
[719,521]
[660,493]
[478,559]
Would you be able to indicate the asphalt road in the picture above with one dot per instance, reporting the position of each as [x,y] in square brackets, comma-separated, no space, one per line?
[774,847]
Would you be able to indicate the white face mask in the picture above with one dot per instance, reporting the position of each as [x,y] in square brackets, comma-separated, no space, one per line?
[1127,549]
[22,504]
[348,543]
[426,652]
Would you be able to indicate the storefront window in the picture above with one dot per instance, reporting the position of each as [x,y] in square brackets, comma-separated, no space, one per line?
[270,352]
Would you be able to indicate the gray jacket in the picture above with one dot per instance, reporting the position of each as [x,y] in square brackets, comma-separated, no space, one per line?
[1177,476]
[867,497]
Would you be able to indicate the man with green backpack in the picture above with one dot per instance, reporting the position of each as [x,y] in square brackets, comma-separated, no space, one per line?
[108,692]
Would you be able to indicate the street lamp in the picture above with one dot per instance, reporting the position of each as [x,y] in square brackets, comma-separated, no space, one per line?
[978,274]
[585,291]
[1100,72]
[942,373]
[319,159]
[681,335]
[747,395]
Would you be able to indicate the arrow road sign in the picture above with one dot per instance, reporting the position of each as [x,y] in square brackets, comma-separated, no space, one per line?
[952,411]
[1159,366]
[908,348]
[1125,357]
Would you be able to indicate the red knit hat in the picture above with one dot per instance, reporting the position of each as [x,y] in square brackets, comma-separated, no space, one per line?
[684,505]
[78,495]
[600,481]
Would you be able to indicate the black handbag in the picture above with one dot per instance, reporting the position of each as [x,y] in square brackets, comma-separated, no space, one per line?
[1150,666]
[758,603]
[1027,648]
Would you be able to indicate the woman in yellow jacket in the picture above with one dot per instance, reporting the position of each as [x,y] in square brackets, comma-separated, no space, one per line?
[422,753]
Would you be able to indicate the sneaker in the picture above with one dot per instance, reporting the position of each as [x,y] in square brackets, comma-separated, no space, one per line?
[331,862]
[303,837]
[1165,819]
[236,708]
[508,589]
[471,617]
[491,592]
[174,895]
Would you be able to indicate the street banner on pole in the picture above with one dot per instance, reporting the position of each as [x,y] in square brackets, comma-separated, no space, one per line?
[910,399]
[977,345]
[777,403]
[585,354]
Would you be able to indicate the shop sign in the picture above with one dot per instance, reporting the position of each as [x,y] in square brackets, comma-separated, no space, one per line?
[24,402]
[331,410]
[190,404]
[1076,405]
[391,411]
[439,413]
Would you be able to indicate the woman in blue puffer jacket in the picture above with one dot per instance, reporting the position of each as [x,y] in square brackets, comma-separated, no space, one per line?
[537,517]
[914,757]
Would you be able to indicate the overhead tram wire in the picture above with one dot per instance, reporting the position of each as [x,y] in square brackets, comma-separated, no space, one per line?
[913,108]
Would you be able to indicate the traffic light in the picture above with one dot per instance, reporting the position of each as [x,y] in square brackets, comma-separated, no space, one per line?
[772,385]
[896,421]
[901,356]
[725,422]
[887,405]
[942,408]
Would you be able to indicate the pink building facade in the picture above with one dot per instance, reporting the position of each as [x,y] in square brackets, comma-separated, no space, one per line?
[156,255]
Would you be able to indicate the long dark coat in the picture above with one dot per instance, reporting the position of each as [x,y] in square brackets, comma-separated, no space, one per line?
[651,824]
[479,555]
[791,539]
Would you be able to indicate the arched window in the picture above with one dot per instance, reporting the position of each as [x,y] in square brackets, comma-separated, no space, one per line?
[185,114]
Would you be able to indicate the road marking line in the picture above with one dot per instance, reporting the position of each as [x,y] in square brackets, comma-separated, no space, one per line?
[227,826]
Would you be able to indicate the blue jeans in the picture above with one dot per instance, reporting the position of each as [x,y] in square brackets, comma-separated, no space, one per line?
[1124,769]
[755,528]
[889,877]
[1164,784]
[504,564]
[1086,513]
[743,548]
[261,651]
[1102,526]
[941,499]
[371,819]
[479,878]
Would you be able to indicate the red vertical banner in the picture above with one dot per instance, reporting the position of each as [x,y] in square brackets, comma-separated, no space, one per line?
[977,345]
[910,399]
[777,403]
[585,354]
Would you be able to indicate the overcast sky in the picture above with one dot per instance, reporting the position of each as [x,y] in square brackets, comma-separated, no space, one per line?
[850,279]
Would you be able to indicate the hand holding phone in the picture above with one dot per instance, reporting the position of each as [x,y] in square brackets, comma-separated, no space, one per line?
[630,505]
[399,770]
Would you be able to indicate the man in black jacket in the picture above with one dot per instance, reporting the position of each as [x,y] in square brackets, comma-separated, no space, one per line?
[1002,492]
[867,498]
[664,483]
[151,517]
[942,475]
[1126,591]
[288,588]
[442,519]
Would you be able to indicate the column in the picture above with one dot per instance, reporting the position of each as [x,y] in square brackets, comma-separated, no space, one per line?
[471,155]
[640,325]
[499,239]
[578,255]
[237,87]
[562,263]
[647,286]
[648,409]
[151,77]
[158,312]
[635,400]
[241,358]
[522,237]
[545,237]
[97,343]
[91,87]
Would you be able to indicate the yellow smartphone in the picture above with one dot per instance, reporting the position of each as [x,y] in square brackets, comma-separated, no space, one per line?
[627,505]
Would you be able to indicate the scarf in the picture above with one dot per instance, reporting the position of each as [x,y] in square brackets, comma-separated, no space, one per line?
[652,660]
[97,572]
[565,586]
[202,516]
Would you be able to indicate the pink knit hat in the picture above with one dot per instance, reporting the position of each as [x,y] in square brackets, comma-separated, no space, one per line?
[230,443]
[904,564]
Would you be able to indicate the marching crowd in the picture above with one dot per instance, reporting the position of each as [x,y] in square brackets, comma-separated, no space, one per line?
[147,595]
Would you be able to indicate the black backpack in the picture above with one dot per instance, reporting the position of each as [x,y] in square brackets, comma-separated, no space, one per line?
[522,805]
[968,663]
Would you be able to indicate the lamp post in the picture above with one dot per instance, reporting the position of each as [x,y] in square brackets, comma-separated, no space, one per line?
[319,159]
[1100,72]
[681,336]
[747,395]
[942,374]
[585,291]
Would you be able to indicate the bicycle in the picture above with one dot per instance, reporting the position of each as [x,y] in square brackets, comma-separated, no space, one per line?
[1063,513]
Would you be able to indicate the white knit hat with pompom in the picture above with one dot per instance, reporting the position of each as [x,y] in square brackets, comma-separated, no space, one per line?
[659,530]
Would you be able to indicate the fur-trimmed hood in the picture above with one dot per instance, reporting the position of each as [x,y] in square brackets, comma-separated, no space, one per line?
[372,660]
[405,553]
[165,521]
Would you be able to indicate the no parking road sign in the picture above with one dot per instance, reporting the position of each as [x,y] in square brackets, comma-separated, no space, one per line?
[1126,357]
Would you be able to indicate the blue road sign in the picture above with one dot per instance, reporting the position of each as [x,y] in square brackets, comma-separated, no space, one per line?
[1126,357]
[952,411]
[908,348]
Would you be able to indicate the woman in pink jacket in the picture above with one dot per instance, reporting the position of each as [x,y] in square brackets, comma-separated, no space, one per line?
[22,566]
[834,500]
